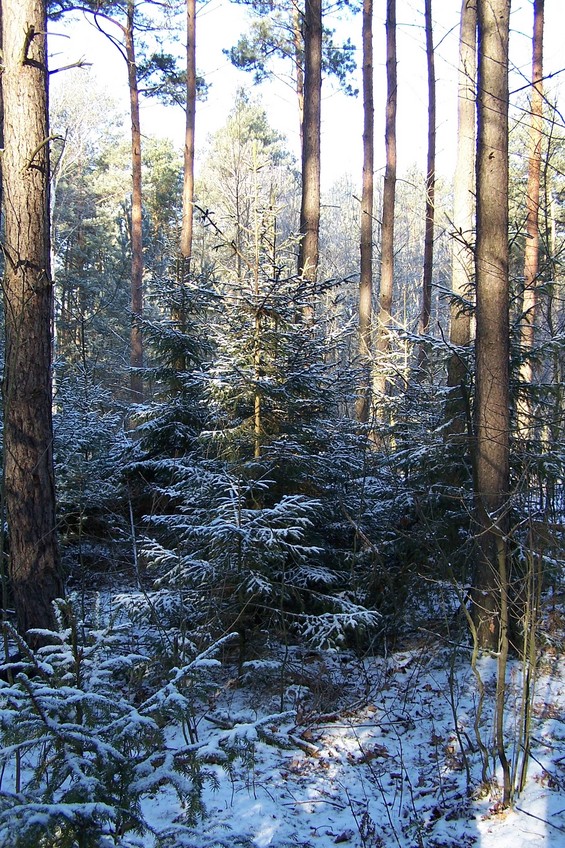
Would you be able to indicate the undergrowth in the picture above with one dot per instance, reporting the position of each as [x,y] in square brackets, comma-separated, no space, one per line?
[84,726]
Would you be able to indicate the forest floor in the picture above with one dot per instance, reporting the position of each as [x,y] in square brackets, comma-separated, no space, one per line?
[298,747]
[381,752]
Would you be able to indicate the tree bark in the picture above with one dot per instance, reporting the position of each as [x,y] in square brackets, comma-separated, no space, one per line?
[28,307]
[136,346]
[430,185]
[310,205]
[389,195]
[1,111]
[531,254]
[462,259]
[298,43]
[366,246]
[492,417]
[188,172]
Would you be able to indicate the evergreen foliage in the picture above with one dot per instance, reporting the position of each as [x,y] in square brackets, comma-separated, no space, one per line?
[240,503]
[89,449]
[243,532]
[274,36]
[84,740]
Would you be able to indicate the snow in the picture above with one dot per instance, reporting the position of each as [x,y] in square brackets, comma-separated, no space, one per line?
[311,748]
[386,772]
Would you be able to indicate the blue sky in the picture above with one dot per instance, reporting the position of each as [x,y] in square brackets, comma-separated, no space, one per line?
[219,23]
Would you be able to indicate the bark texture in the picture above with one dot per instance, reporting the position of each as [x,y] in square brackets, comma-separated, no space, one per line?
[430,184]
[310,204]
[492,416]
[389,197]
[28,304]
[531,252]
[462,261]
[188,172]
[366,246]
[136,351]
[1,111]
[298,44]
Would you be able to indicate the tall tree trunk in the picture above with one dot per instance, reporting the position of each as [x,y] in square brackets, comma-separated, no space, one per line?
[136,347]
[366,246]
[492,421]
[389,195]
[299,62]
[28,304]
[531,255]
[1,120]
[462,259]
[310,205]
[188,172]
[430,185]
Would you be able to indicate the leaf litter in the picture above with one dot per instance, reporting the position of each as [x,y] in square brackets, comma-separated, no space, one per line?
[377,752]
[303,747]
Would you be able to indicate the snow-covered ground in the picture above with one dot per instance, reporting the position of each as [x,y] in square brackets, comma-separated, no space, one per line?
[397,763]
[304,748]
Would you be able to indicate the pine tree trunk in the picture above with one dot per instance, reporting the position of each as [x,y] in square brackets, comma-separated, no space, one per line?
[531,253]
[188,172]
[136,352]
[1,110]
[298,42]
[310,205]
[430,186]
[462,261]
[366,246]
[492,417]
[389,195]
[28,307]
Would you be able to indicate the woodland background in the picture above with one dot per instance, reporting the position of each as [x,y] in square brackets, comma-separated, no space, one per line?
[272,418]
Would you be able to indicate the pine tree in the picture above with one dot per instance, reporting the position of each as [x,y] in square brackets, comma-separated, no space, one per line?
[492,422]
[28,301]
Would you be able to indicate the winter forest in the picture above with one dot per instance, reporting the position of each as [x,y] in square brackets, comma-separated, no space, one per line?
[282,450]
